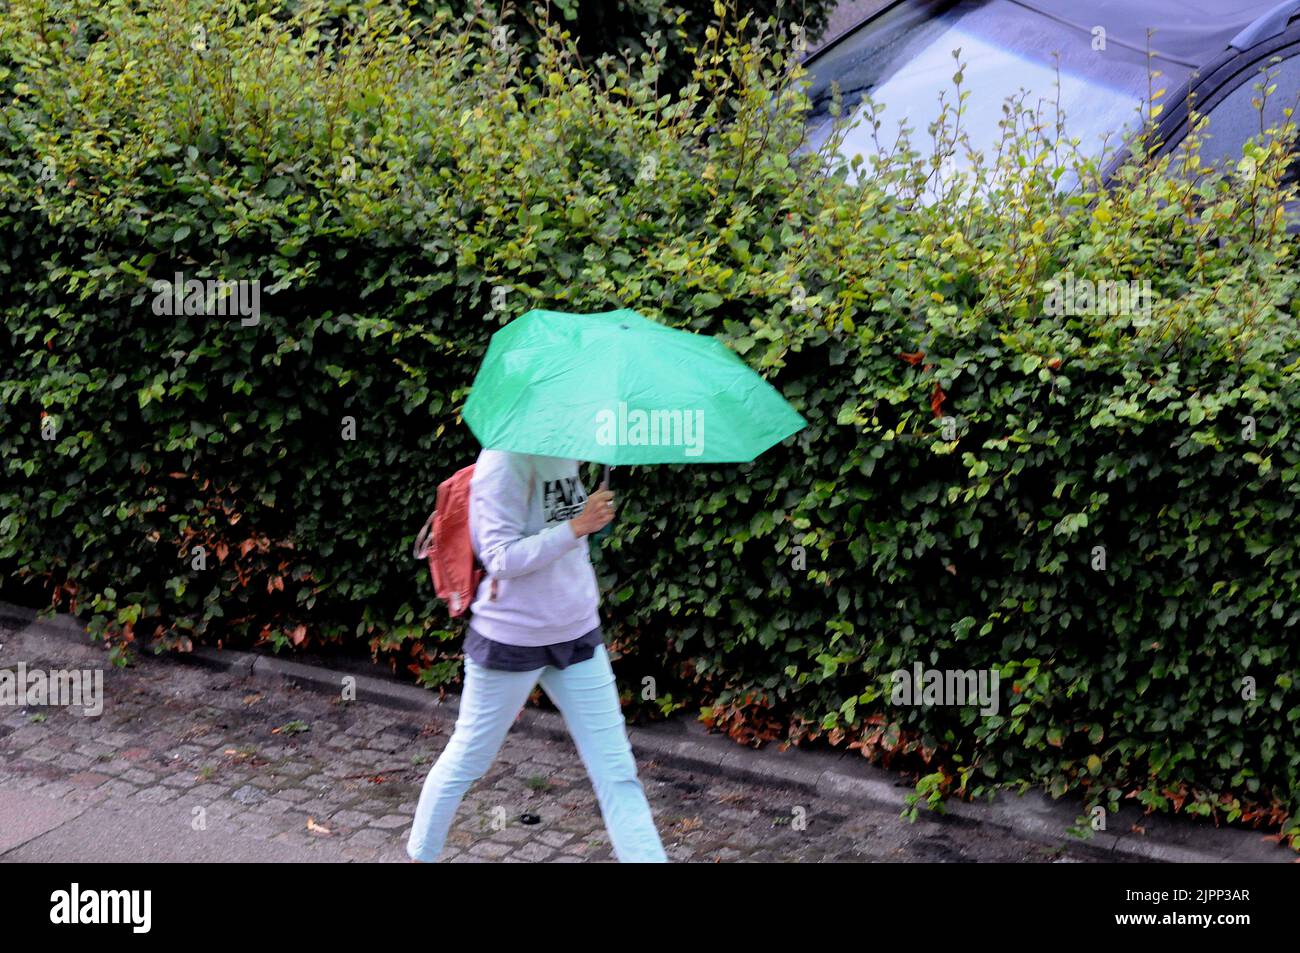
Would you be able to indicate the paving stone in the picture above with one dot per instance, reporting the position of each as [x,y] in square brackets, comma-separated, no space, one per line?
[156,795]
[119,789]
[535,852]
[296,795]
[349,818]
[489,849]
[187,753]
[554,838]
[248,795]
[274,806]
[24,783]
[87,779]
[370,837]
[28,735]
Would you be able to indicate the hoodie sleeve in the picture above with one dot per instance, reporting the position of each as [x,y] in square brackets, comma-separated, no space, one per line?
[498,513]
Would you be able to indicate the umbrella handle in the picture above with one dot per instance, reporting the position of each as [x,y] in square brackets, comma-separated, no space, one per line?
[604,485]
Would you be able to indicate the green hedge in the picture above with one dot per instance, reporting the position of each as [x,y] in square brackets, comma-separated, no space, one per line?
[400,194]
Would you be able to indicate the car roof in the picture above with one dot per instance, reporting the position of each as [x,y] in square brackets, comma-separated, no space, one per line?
[1191,32]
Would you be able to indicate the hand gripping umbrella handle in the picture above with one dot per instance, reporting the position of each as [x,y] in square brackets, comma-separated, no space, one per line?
[604,485]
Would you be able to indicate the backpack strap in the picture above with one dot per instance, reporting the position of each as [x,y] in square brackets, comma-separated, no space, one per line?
[424,538]
[492,589]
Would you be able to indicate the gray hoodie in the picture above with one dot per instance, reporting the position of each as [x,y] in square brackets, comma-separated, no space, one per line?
[519,509]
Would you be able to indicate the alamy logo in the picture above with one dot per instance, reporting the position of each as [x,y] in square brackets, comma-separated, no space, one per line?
[1083,297]
[621,427]
[77,906]
[214,296]
[32,688]
[947,687]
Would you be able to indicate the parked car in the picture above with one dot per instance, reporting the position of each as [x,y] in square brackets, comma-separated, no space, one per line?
[1106,50]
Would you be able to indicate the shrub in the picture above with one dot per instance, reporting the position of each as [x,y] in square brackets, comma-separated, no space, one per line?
[1100,509]
[635,28]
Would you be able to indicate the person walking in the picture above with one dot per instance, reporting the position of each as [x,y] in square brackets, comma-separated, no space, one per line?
[535,619]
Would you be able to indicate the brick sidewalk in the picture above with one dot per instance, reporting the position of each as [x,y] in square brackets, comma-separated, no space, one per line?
[187,764]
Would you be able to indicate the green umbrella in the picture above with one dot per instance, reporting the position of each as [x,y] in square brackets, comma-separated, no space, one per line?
[619,389]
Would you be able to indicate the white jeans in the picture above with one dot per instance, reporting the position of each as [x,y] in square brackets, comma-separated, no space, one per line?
[587,697]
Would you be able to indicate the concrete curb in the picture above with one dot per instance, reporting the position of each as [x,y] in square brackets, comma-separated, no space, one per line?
[686,744]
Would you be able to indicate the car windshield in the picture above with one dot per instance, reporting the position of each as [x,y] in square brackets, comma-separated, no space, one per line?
[904,61]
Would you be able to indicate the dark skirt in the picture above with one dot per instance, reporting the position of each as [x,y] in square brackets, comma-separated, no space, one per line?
[527,658]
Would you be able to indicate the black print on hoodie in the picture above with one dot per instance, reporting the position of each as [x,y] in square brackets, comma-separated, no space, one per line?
[562,499]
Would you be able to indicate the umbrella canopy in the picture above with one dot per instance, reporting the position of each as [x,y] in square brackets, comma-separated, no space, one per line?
[617,388]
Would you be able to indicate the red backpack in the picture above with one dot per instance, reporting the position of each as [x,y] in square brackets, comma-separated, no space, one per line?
[444,540]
